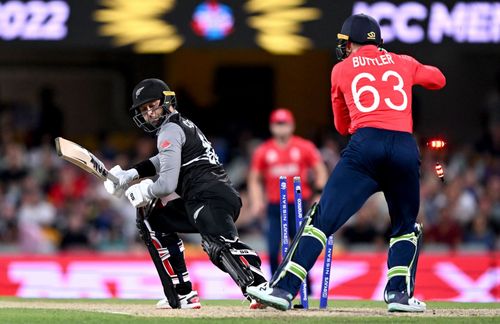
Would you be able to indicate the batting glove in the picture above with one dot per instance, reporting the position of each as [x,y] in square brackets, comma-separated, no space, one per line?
[139,194]
[124,178]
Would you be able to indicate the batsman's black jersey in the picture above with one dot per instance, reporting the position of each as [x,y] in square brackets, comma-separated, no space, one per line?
[199,167]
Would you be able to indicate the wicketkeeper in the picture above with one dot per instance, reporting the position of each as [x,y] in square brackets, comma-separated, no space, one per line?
[371,99]
[186,164]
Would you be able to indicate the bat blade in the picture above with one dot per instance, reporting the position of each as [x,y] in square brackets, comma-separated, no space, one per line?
[82,158]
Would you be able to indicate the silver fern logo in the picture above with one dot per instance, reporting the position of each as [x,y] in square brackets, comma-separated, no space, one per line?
[138,92]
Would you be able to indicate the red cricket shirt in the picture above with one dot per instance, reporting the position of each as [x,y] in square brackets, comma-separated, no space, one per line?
[372,88]
[295,159]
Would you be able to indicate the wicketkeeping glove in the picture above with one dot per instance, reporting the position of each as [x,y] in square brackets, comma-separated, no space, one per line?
[139,194]
[124,178]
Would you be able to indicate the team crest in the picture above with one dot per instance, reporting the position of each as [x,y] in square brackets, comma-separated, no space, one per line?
[271,156]
[371,35]
[138,92]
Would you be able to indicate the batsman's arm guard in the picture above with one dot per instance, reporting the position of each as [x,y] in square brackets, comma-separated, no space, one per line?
[145,234]
[220,254]
[282,268]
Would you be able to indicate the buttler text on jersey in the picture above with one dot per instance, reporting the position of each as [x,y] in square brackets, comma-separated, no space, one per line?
[367,61]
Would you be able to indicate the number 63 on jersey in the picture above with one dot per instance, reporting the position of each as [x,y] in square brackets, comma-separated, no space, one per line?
[388,76]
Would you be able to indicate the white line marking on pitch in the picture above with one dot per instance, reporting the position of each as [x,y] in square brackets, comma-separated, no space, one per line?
[119,313]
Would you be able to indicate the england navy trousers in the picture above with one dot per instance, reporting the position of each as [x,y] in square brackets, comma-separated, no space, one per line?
[374,160]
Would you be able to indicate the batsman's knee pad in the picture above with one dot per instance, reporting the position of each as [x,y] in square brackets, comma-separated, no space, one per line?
[226,255]
[403,259]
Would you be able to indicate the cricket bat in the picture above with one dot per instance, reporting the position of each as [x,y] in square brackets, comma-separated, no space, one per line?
[87,161]
[83,159]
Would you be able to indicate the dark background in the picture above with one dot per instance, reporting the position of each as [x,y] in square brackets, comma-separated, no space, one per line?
[230,85]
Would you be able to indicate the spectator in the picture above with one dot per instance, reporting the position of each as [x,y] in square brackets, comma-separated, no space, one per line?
[44,163]
[492,192]
[71,186]
[13,171]
[76,236]
[8,221]
[479,233]
[461,201]
[362,229]
[431,200]
[330,152]
[445,231]
[35,220]
[51,116]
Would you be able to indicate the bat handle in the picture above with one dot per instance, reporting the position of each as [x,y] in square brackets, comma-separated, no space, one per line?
[113,178]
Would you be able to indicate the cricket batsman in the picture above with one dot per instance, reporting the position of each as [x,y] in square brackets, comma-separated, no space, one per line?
[371,99]
[185,164]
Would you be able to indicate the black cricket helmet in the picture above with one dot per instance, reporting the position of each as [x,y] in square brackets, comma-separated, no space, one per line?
[360,29]
[146,91]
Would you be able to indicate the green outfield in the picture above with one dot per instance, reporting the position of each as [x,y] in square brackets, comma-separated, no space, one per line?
[110,311]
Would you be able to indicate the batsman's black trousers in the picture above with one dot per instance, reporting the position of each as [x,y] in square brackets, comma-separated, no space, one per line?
[210,212]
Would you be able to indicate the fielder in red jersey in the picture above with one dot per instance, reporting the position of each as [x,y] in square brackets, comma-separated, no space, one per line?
[371,99]
[283,155]
[295,158]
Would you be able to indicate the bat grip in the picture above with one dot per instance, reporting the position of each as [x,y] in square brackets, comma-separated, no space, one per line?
[113,178]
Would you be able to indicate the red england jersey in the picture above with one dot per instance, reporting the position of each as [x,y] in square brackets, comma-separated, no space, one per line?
[295,159]
[372,88]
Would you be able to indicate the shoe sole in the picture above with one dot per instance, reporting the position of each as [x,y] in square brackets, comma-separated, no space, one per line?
[189,306]
[259,306]
[268,300]
[395,307]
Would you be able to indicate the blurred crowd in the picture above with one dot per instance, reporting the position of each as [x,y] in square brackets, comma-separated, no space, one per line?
[48,205]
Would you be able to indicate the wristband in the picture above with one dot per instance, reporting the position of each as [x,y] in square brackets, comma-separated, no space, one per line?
[145,169]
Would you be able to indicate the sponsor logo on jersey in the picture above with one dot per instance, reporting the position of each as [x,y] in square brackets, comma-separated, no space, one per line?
[165,144]
[287,169]
[197,212]
[295,154]
[271,156]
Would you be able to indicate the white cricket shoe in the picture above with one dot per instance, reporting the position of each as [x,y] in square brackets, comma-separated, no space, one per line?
[274,297]
[189,301]
[399,302]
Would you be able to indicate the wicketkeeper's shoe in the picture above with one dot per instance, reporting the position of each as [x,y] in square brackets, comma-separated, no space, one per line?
[189,301]
[400,302]
[274,297]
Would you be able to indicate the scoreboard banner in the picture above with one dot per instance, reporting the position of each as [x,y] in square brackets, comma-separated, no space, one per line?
[275,26]
[461,277]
